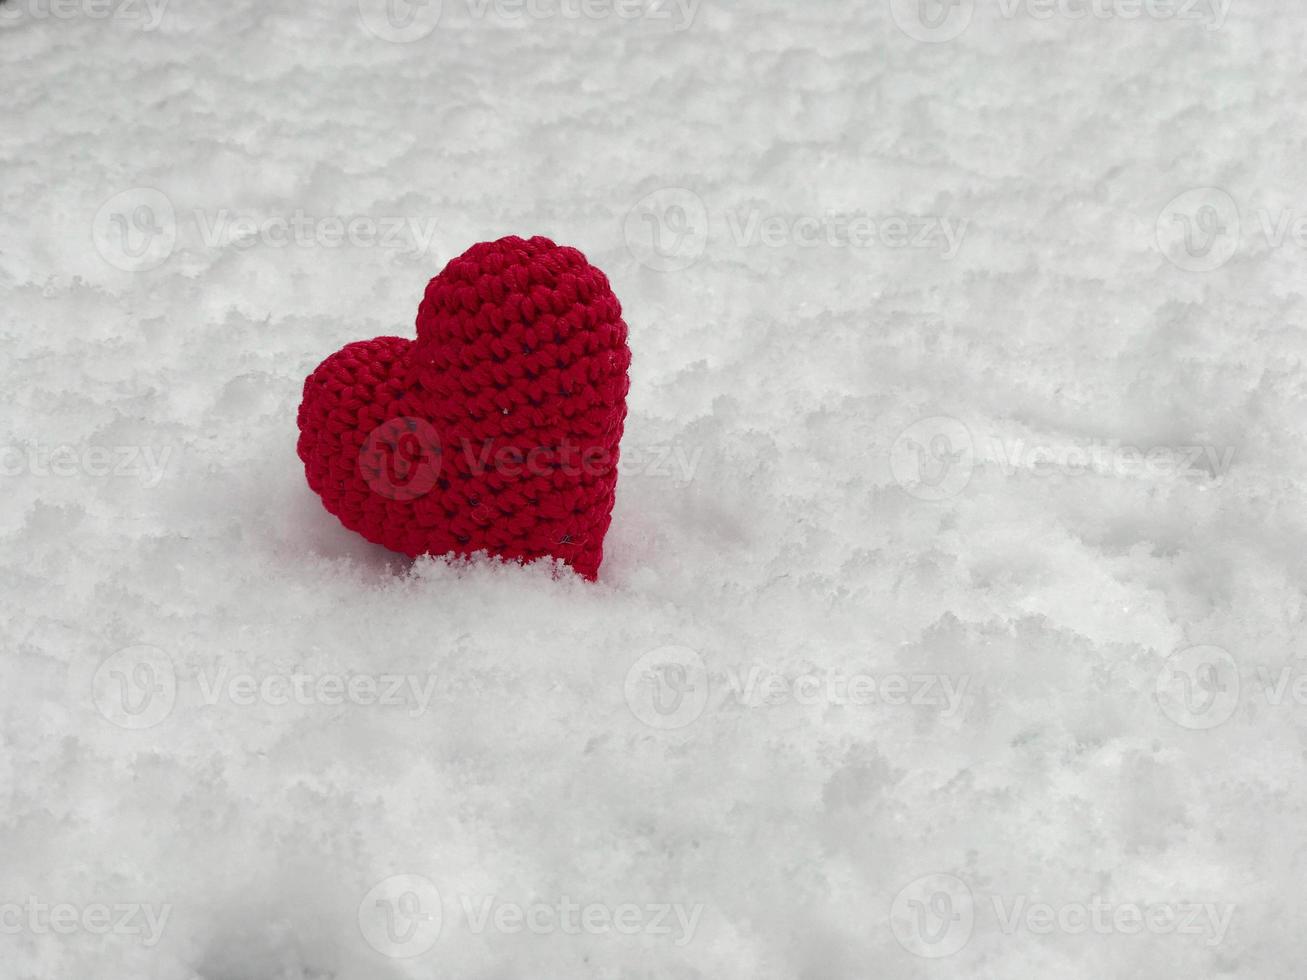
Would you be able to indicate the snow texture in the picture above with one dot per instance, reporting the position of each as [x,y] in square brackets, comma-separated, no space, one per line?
[951,619]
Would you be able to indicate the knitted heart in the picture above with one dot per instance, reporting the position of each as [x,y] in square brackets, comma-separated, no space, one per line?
[497,429]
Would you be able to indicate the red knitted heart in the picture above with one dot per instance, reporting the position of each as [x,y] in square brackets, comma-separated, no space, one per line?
[497,429]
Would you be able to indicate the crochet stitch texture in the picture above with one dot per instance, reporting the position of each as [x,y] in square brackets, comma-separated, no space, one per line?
[497,429]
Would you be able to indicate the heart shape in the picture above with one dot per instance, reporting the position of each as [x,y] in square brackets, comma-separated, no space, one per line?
[497,429]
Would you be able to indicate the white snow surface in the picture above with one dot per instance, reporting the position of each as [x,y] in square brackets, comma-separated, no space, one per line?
[778,545]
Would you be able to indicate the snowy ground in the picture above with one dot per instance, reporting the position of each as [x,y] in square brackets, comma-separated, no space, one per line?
[951,624]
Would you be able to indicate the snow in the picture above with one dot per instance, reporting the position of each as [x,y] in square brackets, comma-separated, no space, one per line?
[952,611]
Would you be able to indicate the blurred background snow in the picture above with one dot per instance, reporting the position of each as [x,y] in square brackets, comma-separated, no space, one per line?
[951,620]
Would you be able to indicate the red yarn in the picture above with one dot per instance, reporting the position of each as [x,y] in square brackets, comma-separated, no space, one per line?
[497,429]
